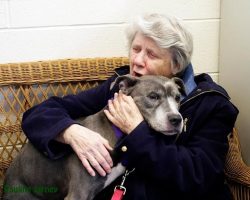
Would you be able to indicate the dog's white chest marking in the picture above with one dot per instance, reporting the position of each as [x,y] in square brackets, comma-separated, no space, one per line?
[118,170]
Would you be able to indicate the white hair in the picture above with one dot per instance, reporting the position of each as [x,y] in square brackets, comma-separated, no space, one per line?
[168,33]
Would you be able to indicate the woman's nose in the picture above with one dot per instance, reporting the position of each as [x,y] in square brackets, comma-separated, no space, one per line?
[140,59]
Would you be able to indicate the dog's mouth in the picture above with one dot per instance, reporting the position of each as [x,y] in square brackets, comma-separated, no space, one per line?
[171,132]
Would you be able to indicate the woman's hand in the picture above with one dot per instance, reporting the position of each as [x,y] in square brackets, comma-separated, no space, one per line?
[123,112]
[90,147]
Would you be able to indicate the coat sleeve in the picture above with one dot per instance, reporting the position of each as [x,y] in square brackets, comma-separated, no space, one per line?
[43,122]
[195,164]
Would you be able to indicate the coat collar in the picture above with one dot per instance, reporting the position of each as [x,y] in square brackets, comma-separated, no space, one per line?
[196,85]
[188,79]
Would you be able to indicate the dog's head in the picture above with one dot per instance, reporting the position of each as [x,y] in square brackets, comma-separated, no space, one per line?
[158,99]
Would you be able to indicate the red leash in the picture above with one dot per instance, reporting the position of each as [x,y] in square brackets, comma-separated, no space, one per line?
[120,190]
[118,194]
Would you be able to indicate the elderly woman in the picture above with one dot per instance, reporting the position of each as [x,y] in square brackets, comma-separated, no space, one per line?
[189,168]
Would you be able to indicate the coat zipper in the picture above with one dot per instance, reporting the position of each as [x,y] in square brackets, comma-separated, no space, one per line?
[185,125]
[210,91]
[186,119]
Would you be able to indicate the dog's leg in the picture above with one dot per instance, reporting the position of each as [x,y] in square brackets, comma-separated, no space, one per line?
[118,170]
[85,187]
[20,196]
[81,184]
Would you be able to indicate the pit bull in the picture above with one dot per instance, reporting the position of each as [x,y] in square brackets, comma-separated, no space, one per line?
[32,176]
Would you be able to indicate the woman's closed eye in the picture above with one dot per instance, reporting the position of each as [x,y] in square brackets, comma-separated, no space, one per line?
[136,49]
[152,55]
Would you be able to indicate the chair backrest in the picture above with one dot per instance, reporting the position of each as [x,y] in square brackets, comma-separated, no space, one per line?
[23,85]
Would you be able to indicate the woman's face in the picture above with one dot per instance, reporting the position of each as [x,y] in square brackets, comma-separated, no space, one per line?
[146,57]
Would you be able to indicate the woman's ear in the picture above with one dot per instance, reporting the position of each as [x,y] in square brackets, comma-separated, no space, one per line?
[176,68]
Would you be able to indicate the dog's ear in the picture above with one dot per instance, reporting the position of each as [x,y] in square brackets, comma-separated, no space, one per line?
[180,84]
[126,83]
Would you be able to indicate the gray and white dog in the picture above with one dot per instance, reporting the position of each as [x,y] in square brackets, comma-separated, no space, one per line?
[32,176]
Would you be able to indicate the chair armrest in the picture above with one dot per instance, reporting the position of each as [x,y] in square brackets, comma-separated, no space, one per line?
[235,168]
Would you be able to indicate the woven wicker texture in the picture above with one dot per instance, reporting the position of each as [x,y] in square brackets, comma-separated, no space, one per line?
[23,85]
[237,172]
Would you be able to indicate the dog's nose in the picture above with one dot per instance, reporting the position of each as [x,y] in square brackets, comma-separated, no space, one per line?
[174,119]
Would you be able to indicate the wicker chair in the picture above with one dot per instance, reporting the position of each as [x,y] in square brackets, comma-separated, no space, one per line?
[237,172]
[23,85]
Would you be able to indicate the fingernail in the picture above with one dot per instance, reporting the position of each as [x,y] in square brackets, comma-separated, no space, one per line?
[103,174]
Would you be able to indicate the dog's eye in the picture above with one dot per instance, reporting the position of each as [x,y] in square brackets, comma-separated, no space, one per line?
[154,96]
[177,97]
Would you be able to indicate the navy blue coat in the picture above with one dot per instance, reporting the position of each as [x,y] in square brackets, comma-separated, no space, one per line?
[190,168]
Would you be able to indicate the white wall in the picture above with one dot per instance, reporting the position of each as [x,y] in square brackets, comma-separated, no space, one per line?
[235,63]
[51,29]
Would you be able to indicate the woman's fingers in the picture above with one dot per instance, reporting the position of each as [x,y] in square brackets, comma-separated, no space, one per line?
[98,163]
[86,164]
[96,159]
[91,148]
[105,153]
[123,112]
